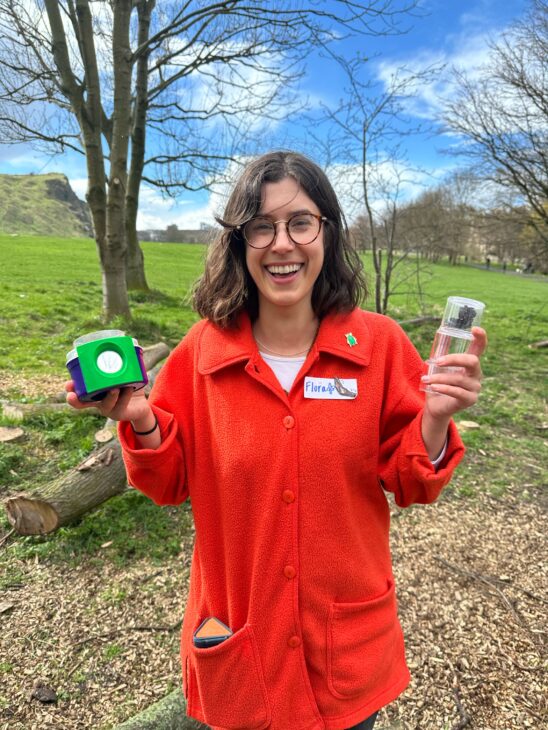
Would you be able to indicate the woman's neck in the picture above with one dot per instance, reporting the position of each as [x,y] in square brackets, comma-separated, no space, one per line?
[285,333]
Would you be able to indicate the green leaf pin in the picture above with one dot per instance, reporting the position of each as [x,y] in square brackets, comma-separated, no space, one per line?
[350,339]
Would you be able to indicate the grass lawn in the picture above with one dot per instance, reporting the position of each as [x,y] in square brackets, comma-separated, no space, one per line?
[52,294]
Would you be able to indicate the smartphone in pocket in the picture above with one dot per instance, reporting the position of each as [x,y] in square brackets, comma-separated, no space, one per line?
[210,633]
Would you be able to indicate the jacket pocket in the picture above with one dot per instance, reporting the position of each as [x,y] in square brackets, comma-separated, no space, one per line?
[364,640]
[230,684]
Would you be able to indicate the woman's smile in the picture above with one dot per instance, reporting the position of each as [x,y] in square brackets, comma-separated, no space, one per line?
[284,273]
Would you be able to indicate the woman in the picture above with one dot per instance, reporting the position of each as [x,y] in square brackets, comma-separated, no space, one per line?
[284,414]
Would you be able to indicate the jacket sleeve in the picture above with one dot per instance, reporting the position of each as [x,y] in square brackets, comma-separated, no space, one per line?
[404,466]
[161,473]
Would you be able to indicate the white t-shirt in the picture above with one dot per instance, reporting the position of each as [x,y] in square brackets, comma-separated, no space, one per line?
[285,368]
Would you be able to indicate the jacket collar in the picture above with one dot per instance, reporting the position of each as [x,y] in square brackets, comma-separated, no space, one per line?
[219,348]
[337,333]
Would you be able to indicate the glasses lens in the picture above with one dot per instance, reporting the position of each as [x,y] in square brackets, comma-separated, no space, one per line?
[259,232]
[303,228]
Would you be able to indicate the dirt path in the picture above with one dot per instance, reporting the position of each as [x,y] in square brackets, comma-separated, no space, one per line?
[471,577]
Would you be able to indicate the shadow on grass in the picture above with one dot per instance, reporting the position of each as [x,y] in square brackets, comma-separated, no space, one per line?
[154,296]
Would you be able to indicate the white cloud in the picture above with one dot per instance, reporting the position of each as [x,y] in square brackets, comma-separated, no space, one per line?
[388,181]
[467,51]
[79,185]
[157,211]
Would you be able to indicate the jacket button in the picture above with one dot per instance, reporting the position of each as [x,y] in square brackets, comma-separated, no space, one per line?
[289,571]
[294,642]
[289,422]
[288,496]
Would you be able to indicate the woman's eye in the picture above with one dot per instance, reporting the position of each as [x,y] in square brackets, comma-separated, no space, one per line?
[261,227]
[300,222]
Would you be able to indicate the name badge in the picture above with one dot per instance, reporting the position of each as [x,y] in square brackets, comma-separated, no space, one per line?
[331,388]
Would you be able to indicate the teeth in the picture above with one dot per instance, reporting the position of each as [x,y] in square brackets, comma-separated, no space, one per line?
[287,269]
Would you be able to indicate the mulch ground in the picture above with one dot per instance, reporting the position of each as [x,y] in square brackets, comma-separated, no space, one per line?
[471,577]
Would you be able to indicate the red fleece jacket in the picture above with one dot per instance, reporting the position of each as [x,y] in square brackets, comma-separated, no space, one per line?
[291,518]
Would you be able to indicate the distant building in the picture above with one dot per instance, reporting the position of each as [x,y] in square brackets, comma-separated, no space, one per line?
[174,234]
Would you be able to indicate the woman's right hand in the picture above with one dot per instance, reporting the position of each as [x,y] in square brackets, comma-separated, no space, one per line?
[120,404]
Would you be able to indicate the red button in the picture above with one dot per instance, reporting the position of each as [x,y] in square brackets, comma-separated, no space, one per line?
[294,642]
[289,422]
[289,571]
[288,496]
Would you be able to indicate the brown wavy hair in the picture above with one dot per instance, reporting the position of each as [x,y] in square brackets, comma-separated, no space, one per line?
[226,287]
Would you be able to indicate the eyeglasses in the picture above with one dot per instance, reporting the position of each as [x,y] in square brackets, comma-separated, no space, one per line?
[302,229]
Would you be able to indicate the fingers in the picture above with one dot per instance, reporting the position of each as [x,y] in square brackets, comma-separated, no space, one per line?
[104,406]
[462,387]
[75,402]
[453,383]
[479,343]
[119,408]
[108,403]
[468,361]
[465,396]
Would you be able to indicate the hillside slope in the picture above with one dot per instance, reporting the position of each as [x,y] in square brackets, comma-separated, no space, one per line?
[42,205]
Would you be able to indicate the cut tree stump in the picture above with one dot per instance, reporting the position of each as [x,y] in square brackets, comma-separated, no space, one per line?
[167,714]
[9,433]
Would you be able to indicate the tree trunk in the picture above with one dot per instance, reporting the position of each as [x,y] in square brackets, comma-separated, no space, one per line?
[135,272]
[101,476]
[114,276]
[167,714]
[135,268]
[115,299]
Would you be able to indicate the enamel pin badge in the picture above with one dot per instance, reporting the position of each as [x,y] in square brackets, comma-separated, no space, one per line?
[351,341]
[331,388]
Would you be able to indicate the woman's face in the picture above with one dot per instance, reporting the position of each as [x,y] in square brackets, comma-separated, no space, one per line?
[285,272]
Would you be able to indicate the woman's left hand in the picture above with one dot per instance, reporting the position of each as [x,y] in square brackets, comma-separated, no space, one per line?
[455,391]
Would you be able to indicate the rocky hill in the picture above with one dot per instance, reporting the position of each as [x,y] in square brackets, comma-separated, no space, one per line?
[43,205]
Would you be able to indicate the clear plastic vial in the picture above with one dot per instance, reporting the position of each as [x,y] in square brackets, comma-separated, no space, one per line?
[454,334]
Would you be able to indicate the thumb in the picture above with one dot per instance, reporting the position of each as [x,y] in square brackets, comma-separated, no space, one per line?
[479,342]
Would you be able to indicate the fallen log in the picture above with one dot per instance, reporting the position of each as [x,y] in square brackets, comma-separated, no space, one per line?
[99,477]
[152,355]
[167,714]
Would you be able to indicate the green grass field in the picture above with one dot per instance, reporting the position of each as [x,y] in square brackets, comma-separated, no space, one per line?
[52,294]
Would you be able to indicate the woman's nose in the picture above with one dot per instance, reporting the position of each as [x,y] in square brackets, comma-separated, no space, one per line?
[282,242]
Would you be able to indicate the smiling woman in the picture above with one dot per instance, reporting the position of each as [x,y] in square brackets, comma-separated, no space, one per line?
[285,406]
[283,269]
[293,185]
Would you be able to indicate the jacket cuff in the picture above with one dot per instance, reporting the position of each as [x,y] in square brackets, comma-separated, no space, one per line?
[416,462]
[145,457]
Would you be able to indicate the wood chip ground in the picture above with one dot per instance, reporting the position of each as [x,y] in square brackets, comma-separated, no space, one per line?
[471,577]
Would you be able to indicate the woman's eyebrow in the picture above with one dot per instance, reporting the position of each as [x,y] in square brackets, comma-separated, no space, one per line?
[300,211]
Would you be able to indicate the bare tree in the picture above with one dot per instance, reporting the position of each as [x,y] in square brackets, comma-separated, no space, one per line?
[369,128]
[440,221]
[502,114]
[185,80]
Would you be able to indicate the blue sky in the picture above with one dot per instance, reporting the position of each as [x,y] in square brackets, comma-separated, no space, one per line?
[451,33]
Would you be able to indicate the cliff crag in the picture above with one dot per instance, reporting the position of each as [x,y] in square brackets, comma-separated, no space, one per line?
[43,205]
